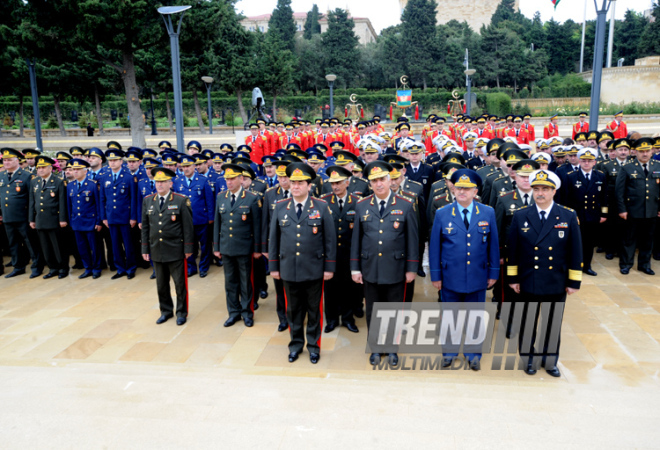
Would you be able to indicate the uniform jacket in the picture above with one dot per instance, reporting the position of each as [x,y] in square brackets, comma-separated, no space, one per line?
[506,206]
[237,229]
[15,196]
[167,233]
[464,259]
[547,259]
[201,197]
[48,202]
[619,130]
[301,249]
[385,248]
[424,175]
[84,205]
[588,199]
[636,194]
[550,130]
[145,187]
[580,127]
[272,196]
[118,199]
[344,224]
[521,135]
[611,169]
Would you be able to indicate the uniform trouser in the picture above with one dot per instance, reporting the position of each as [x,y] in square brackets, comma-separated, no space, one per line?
[391,293]
[103,243]
[23,245]
[260,283]
[136,243]
[69,247]
[239,285]
[589,232]
[281,301]
[551,309]
[304,299]
[449,296]
[204,246]
[50,241]
[122,248]
[177,271]
[656,243]
[89,253]
[612,232]
[341,294]
[638,233]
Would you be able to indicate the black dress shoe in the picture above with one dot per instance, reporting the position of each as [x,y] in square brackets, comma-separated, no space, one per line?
[62,275]
[314,358]
[16,272]
[85,274]
[293,356]
[78,266]
[282,326]
[231,321]
[36,273]
[130,276]
[263,294]
[330,326]
[393,359]
[609,256]
[117,276]
[180,320]
[624,271]
[50,274]
[8,264]
[475,364]
[446,361]
[96,275]
[248,322]
[374,359]
[599,250]
[203,274]
[164,318]
[351,327]
[553,372]
[190,274]
[421,273]
[647,271]
[530,370]
[590,272]
[152,276]
[656,256]
[359,313]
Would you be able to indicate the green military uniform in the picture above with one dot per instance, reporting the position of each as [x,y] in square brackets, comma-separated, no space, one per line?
[487,185]
[612,229]
[168,235]
[500,186]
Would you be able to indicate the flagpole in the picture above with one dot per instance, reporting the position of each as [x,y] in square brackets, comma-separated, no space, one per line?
[584,29]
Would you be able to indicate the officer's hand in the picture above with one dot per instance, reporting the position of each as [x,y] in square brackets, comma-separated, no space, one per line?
[63,224]
[210,222]
[1,218]
[501,261]
[624,216]
[98,228]
[515,287]
[133,223]
[217,254]
[571,291]
[275,275]
[188,255]
[437,284]
[491,283]
[256,255]
[327,275]
[603,219]
[140,225]
[145,257]
[105,222]
[410,277]
[265,255]
[33,225]
[357,278]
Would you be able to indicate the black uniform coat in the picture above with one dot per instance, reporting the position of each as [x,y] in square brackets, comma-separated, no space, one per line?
[237,229]
[15,196]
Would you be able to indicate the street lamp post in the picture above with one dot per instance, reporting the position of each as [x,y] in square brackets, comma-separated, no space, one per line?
[469,73]
[331,82]
[597,72]
[35,102]
[154,131]
[207,82]
[167,12]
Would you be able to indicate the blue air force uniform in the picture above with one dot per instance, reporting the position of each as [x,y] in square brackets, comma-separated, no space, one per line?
[84,206]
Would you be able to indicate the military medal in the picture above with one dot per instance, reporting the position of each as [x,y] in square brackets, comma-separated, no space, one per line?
[173,217]
[561,234]
[244,217]
[315,230]
[396,225]
[52,194]
[525,227]
[18,189]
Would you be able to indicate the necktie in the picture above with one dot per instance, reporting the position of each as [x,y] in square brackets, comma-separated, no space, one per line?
[415,169]
[188,181]
[299,212]
[526,202]
[286,194]
[79,185]
[162,200]
[587,177]
[341,205]
[233,199]
[646,171]
[542,217]
[382,207]
[114,178]
[153,186]
[271,182]
[517,133]
[465,219]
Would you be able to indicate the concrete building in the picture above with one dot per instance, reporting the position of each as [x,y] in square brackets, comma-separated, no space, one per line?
[475,12]
[363,28]
[623,85]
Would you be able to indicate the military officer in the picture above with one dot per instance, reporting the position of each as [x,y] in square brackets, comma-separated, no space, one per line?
[418,171]
[167,240]
[342,294]
[586,193]
[464,252]
[551,129]
[582,126]
[119,212]
[47,214]
[30,155]
[444,196]
[385,245]
[544,250]
[15,191]
[302,252]
[638,193]
[618,127]
[237,239]
[612,229]
[506,183]
[84,206]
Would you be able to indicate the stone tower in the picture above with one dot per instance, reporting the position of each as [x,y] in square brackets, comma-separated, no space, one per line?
[475,12]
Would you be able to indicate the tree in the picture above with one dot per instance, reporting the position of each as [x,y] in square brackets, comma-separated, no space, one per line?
[506,10]
[312,25]
[278,66]
[649,43]
[309,57]
[340,43]
[627,36]
[282,26]
[418,31]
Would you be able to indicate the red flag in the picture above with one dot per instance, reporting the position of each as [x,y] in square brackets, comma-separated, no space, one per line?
[417,112]
[390,112]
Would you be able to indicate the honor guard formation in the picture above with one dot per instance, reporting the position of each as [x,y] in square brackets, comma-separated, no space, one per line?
[341,214]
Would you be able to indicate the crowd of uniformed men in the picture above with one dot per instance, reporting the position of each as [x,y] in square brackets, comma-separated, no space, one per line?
[340,213]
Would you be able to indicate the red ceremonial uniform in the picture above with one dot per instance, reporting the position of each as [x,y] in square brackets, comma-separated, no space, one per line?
[428,142]
[619,130]
[485,133]
[531,132]
[550,130]
[286,140]
[258,145]
[580,127]
[521,135]
[325,139]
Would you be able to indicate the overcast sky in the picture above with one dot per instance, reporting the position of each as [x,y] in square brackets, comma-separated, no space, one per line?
[384,13]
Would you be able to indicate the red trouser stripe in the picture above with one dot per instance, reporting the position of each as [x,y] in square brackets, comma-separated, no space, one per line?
[252,283]
[185,274]
[321,315]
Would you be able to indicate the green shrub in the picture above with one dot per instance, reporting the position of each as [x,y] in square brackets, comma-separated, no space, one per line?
[498,104]
[51,123]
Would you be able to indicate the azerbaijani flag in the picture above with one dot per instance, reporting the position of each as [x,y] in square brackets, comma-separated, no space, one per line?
[404,98]
[555,2]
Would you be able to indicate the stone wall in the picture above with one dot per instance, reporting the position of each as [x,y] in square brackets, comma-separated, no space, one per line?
[622,85]
[475,12]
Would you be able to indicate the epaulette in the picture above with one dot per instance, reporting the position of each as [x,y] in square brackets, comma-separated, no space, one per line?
[260,181]
[179,195]
[566,208]
[494,172]
[507,193]
[440,196]
[321,200]
[598,170]
[271,188]
[93,181]
[152,195]
[365,198]
[403,198]
[413,181]
[325,195]
[282,200]
[250,192]
[501,177]
[356,197]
